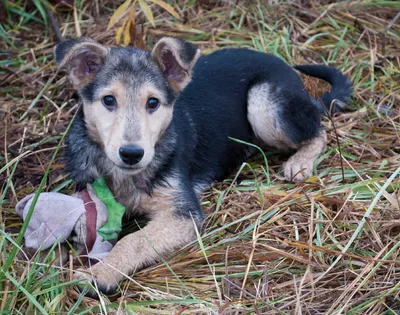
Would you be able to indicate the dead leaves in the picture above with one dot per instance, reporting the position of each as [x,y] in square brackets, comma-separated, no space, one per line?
[126,15]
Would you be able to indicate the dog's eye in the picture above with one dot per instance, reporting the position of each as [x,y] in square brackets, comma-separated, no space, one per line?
[152,104]
[109,102]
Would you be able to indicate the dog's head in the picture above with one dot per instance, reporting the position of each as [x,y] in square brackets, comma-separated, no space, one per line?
[128,94]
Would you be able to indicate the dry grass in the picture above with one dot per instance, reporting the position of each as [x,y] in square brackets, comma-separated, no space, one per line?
[330,245]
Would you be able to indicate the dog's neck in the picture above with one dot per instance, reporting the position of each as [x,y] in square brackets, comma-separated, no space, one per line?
[128,188]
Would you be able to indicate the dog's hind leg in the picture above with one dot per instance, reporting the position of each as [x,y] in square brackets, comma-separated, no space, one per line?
[287,120]
[300,165]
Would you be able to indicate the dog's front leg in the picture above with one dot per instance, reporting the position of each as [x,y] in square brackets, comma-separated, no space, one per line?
[162,236]
[173,219]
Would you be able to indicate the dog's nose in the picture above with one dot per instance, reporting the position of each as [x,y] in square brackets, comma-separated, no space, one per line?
[131,154]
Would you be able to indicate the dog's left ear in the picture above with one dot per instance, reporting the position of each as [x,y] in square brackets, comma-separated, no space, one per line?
[176,59]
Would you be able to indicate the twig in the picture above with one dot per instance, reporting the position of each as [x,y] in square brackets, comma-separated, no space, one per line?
[54,23]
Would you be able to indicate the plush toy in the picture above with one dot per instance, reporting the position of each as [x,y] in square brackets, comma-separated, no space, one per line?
[90,220]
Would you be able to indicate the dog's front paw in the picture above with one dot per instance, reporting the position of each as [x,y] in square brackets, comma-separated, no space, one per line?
[97,279]
[297,170]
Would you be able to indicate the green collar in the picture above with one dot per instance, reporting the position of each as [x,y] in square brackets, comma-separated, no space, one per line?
[113,226]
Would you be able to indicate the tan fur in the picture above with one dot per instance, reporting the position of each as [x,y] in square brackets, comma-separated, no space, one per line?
[138,201]
[300,166]
[104,126]
[262,115]
[129,123]
[152,125]
[164,234]
[171,44]
[162,199]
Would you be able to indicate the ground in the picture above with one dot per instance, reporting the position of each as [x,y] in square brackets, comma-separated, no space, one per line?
[330,245]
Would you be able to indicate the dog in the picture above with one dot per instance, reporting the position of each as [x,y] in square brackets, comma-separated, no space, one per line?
[161,127]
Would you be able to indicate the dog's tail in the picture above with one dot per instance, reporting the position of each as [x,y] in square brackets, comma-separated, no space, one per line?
[341,90]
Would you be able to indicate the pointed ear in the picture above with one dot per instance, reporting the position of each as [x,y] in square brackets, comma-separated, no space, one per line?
[82,56]
[176,59]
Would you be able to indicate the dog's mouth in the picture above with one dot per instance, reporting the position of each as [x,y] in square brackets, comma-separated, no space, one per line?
[132,170]
[129,169]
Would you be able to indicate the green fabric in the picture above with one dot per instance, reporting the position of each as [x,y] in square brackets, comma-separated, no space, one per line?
[113,226]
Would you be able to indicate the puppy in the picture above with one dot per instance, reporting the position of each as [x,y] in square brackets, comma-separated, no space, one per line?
[159,126]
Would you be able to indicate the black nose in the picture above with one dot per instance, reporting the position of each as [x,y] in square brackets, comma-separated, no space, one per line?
[131,154]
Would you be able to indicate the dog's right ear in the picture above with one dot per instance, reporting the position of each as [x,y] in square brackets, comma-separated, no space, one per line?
[82,56]
[176,59]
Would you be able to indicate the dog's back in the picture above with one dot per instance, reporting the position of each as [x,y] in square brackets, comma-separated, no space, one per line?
[215,107]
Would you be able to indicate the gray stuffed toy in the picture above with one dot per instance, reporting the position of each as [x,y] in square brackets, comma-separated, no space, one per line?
[90,220]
